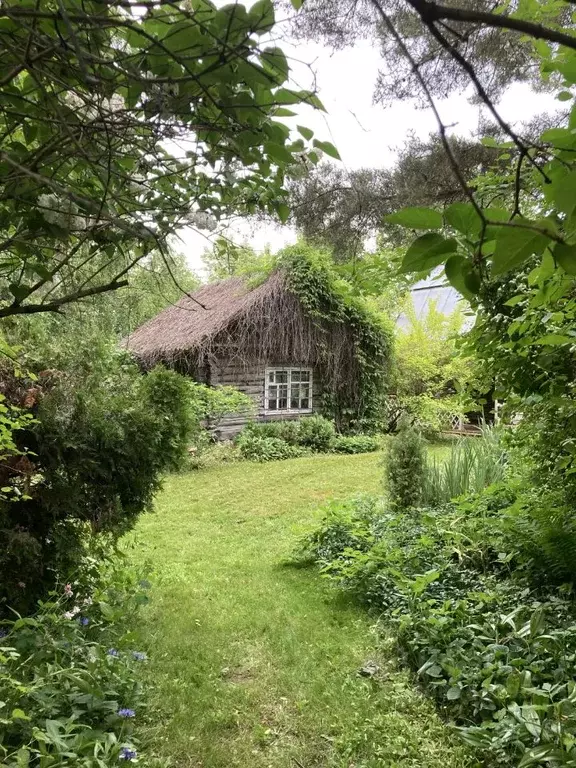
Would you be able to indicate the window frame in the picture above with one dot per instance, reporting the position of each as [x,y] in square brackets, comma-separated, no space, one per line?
[289,369]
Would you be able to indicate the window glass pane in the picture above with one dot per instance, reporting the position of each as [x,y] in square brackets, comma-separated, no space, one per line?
[304,403]
[281,377]
[304,390]
[304,375]
[272,406]
[282,403]
[296,376]
[294,402]
[270,375]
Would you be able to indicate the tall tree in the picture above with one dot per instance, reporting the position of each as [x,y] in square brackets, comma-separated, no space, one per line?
[342,209]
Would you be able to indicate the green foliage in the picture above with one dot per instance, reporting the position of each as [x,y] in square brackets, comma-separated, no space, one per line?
[472,464]
[67,672]
[354,398]
[89,170]
[405,468]
[285,429]
[435,381]
[316,433]
[103,437]
[255,448]
[226,259]
[213,455]
[479,622]
[212,404]
[269,441]
[355,444]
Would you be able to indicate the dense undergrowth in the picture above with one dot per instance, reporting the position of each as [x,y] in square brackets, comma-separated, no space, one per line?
[478,593]
[70,686]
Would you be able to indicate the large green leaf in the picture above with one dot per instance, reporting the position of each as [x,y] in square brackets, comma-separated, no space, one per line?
[426,252]
[565,256]
[464,218]
[327,148]
[416,218]
[554,340]
[461,275]
[515,244]
[563,192]
[276,60]
[262,16]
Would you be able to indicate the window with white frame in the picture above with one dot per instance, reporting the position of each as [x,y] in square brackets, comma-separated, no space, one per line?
[288,389]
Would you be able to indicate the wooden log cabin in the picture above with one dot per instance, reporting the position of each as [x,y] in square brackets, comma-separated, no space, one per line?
[259,339]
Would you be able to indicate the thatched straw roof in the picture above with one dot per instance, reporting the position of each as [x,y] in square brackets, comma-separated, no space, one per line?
[196,324]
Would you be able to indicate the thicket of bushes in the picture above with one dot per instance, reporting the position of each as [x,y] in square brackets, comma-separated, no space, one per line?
[90,462]
[479,592]
[274,440]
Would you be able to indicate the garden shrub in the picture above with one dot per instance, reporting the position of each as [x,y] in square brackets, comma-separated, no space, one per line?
[69,674]
[312,432]
[286,429]
[101,440]
[405,467]
[487,633]
[316,432]
[355,444]
[255,448]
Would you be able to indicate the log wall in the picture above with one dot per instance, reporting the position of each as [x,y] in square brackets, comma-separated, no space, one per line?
[250,379]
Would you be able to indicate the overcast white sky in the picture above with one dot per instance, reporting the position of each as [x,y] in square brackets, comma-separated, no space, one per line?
[364,133]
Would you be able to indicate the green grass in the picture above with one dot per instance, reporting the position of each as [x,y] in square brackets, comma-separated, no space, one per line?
[255,663]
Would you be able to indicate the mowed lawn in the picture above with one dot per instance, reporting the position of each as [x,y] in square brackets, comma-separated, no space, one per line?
[255,663]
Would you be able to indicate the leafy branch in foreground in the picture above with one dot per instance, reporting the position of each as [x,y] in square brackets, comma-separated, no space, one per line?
[119,127]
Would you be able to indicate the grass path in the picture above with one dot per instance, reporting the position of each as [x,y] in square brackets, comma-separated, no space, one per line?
[253,663]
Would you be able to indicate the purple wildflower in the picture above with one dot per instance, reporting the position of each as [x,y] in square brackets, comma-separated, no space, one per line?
[139,656]
[125,712]
[126,753]
[113,652]
[3,633]
[84,621]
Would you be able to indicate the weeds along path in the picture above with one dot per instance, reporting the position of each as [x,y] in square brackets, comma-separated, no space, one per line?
[254,663]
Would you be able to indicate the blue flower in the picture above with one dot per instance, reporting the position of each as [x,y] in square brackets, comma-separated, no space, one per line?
[124,712]
[139,656]
[126,753]
[84,621]
[112,652]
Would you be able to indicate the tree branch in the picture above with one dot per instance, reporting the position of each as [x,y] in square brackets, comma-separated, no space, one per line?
[57,304]
[430,12]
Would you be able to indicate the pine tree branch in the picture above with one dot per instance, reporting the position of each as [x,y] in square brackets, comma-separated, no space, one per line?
[430,12]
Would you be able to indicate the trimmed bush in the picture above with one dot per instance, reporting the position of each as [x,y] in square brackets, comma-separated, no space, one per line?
[255,448]
[355,444]
[316,432]
[287,430]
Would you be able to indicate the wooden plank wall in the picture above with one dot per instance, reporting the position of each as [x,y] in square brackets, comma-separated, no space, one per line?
[249,378]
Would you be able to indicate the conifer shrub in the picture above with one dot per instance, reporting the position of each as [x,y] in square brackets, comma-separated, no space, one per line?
[405,468]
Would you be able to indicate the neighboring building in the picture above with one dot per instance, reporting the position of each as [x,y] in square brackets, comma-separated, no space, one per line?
[258,339]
